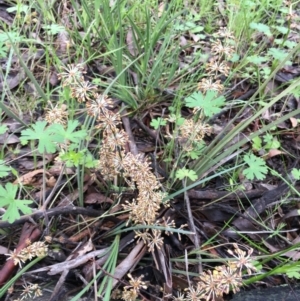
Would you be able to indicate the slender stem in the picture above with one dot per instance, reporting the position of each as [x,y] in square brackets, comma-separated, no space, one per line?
[192,225]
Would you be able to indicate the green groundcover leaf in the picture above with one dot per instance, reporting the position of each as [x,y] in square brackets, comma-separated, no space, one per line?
[210,103]
[186,173]
[296,173]
[70,133]
[12,205]
[4,169]
[48,137]
[257,167]
[261,28]
[293,274]
[44,135]
[156,123]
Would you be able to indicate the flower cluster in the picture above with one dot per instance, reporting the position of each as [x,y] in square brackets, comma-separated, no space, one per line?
[131,291]
[222,49]
[114,161]
[144,209]
[210,84]
[242,259]
[37,249]
[192,132]
[31,291]
[71,77]
[152,240]
[213,284]
[58,114]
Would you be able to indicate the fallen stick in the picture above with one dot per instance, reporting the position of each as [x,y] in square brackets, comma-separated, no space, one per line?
[29,232]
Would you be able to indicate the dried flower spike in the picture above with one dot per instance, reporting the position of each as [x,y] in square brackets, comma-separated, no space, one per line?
[224,32]
[17,258]
[58,114]
[209,84]
[131,291]
[83,91]
[37,249]
[219,49]
[71,75]
[243,259]
[31,289]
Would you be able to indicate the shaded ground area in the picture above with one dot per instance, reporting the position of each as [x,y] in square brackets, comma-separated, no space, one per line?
[273,293]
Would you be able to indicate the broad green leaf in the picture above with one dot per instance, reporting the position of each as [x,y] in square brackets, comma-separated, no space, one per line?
[3,50]
[72,158]
[257,60]
[44,135]
[53,29]
[10,36]
[12,212]
[69,134]
[210,103]
[3,129]
[196,151]
[289,44]
[261,28]
[256,143]
[176,118]
[4,169]
[271,142]
[19,7]
[293,274]
[234,58]
[156,123]
[296,173]
[89,161]
[13,206]
[257,167]
[279,55]
[282,29]
[180,121]
[186,173]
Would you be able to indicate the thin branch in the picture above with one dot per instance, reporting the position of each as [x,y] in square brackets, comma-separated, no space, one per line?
[52,212]
[192,225]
